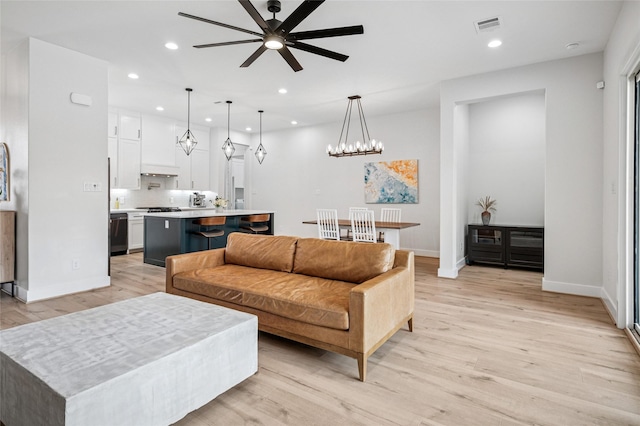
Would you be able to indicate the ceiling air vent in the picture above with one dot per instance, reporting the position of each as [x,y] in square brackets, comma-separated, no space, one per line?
[487,25]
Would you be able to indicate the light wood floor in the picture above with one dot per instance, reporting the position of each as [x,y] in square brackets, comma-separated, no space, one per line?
[489,348]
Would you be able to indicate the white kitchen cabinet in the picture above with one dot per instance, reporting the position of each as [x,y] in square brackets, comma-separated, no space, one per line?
[194,170]
[128,164]
[112,149]
[158,142]
[112,125]
[129,125]
[135,225]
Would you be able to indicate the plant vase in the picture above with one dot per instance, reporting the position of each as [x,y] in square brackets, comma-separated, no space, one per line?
[486,217]
[219,209]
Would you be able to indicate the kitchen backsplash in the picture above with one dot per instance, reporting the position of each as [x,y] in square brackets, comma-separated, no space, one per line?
[154,192]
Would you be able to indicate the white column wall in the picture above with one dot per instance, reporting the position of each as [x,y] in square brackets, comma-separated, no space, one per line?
[620,58]
[573,211]
[65,146]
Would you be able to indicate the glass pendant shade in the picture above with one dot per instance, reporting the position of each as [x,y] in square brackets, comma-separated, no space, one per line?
[227,146]
[260,151]
[188,142]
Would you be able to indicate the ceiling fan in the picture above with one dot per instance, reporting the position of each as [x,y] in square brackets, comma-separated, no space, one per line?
[277,35]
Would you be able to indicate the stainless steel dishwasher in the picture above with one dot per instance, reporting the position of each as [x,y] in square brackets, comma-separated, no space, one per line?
[119,234]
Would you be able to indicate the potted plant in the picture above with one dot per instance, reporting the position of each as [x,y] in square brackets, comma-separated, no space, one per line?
[487,205]
[219,203]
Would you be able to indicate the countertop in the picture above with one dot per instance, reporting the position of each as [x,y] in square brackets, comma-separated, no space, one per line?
[204,212]
[134,210]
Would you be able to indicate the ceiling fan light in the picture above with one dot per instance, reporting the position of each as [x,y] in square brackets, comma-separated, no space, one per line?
[273,42]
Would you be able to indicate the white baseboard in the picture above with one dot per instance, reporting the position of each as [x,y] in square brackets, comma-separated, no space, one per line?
[448,273]
[570,288]
[610,306]
[424,253]
[61,289]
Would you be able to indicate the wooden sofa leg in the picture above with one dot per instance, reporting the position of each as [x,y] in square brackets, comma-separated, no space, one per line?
[410,324]
[362,367]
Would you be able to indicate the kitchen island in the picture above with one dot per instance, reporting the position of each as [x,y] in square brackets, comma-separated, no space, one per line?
[170,233]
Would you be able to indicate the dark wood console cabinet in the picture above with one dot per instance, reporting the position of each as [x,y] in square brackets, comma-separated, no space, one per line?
[507,246]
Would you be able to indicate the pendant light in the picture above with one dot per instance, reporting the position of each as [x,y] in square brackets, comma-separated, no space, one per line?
[261,152]
[188,142]
[228,147]
[346,149]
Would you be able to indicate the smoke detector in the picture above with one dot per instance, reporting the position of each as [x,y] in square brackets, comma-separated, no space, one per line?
[488,25]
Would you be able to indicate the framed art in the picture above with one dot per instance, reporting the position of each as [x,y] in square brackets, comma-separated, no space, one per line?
[4,172]
[391,182]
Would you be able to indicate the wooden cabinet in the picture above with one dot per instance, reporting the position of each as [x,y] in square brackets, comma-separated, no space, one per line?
[7,247]
[507,246]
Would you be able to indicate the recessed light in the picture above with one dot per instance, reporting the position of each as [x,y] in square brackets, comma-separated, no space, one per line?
[248,129]
[208,119]
[171,46]
[494,43]
[572,46]
[159,108]
[294,122]
[282,91]
[133,76]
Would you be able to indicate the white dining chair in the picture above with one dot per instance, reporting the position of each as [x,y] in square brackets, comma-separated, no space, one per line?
[353,209]
[389,215]
[363,226]
[328,224]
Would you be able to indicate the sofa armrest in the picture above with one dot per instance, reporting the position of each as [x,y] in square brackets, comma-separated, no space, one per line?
[378,307]
[190,261]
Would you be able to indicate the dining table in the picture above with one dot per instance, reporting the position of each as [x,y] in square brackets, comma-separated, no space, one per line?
[391,229]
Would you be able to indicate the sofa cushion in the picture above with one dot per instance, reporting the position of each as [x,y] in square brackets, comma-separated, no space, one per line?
[306,299]
[349,261]
[261,251]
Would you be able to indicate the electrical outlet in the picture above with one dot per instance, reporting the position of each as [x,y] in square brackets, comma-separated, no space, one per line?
[122,201]
[75,264]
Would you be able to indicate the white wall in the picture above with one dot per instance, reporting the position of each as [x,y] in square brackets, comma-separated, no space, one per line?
[573,153]
[506,159]
[297,176]
[61,146]
[621,58]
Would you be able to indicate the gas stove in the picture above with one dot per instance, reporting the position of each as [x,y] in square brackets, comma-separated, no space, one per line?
[160,209]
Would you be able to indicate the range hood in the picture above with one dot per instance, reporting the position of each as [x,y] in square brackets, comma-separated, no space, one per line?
[159,170]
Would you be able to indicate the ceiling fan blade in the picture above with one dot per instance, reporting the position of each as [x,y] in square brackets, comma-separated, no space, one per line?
[254,56]
[220,24]
[328,32]
[288,56]
[255,15]
[319,51]
[298,16]
[227,43]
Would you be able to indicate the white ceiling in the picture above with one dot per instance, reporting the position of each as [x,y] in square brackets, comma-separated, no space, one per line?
[407,49]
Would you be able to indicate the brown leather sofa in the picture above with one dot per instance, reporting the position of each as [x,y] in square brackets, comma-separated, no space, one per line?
[341,296]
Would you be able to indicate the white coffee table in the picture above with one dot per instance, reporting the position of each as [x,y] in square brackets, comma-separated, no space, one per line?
[144,361]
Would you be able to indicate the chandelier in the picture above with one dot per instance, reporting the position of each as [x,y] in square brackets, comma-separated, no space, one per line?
[349,149]
[188,142]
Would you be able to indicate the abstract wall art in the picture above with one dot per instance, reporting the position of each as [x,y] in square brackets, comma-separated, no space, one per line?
[4,172]
[391,182]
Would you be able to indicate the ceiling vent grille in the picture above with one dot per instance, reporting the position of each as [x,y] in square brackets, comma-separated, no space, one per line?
[487,25]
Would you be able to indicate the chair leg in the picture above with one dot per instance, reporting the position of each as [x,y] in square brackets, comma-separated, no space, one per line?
[362,367]
[410,324]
